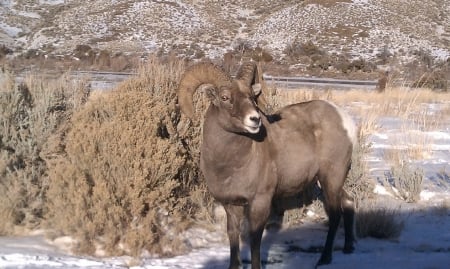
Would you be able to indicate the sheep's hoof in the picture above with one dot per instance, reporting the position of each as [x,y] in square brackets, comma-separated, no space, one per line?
[348,249]
[235,265]
[323,260]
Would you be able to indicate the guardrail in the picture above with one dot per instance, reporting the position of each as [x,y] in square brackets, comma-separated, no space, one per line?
[104,73]
[107,80]
[292,82]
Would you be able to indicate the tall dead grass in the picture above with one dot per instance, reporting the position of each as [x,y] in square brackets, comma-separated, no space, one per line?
[394,101]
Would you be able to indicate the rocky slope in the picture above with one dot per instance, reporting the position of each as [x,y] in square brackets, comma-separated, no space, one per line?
[367,29]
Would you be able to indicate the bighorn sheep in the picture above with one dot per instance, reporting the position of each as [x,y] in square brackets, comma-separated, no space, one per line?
[250,159]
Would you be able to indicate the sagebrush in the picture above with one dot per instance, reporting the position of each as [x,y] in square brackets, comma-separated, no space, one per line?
[118,171]
[128,178]
[30,112]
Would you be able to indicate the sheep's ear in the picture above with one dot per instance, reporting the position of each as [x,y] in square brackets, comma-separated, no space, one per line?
[257,89]
[211,93]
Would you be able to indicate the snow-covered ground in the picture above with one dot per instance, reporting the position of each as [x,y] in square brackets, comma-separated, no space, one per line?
[423,244]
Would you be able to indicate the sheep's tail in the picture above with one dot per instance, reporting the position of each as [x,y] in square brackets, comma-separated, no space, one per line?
[348,123]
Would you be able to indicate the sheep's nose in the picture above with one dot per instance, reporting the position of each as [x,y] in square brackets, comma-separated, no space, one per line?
[255,118]
[252,122]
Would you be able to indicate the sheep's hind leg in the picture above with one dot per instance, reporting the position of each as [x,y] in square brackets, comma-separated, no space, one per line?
[235,215]
[348,210]
[334,216]
[332,191]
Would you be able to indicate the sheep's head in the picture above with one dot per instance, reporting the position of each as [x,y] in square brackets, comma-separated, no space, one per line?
[233,101]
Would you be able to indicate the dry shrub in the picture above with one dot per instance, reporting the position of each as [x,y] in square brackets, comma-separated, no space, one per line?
[405,181]
[436,80]
[443,208]
[284,97]
[128,178]
[358,183]
[29,113]
[103,59]
[297,49]
[378,222]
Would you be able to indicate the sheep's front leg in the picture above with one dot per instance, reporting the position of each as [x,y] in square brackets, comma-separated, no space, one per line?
[235,215]
[258,213]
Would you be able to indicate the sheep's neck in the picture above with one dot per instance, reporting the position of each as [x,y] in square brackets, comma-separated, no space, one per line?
[224,146]
[230,163]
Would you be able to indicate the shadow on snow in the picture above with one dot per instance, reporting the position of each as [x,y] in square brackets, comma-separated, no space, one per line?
[423,243]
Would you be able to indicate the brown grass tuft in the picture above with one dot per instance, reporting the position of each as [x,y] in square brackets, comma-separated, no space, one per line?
[378,222]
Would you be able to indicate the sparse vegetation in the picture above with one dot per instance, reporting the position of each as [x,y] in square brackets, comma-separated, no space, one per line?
[405,181]
[436,80]
[378,221]
[4,50]
[340,38]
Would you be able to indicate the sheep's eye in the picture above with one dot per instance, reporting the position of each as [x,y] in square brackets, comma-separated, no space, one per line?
[224,98]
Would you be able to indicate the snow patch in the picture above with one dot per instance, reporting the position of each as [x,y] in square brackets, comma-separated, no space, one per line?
[10,30]
[52,2]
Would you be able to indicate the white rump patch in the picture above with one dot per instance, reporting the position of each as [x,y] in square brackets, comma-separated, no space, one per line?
[348,123]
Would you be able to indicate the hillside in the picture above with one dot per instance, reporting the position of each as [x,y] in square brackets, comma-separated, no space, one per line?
[379,31]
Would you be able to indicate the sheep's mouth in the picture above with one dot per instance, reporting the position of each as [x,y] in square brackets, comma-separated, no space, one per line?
[253,129]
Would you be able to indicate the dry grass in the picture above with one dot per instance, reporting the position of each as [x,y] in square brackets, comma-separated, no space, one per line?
[442,208]
[378,222]
[411,142]
[409,146]
[394,101]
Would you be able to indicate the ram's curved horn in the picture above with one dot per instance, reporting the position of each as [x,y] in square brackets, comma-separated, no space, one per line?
[196,75]
[246,73]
